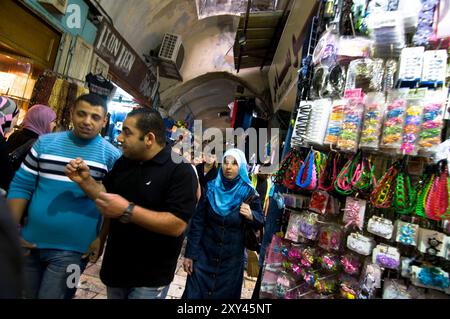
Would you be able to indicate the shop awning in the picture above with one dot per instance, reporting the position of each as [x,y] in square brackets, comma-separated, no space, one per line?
[257,38]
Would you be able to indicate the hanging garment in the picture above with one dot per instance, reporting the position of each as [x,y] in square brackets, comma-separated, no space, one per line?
[99,85]
[43,89]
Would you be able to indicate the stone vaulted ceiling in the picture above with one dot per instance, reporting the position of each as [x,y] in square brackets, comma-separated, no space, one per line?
[209,77]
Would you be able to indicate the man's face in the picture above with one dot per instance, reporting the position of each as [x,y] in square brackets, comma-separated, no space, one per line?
[133,145]
[88,120]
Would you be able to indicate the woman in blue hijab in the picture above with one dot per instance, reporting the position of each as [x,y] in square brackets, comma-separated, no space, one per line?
[214,257]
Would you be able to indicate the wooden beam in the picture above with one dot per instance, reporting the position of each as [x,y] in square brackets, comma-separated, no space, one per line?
[247,14]
[275,33]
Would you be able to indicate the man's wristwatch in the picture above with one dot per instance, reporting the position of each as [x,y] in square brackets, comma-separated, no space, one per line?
[126,217]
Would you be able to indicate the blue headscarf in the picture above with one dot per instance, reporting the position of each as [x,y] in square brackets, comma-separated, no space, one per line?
[224,195]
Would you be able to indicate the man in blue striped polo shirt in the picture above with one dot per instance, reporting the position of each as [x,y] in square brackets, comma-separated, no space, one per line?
[63,224]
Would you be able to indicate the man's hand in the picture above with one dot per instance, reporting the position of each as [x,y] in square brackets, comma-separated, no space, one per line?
[95,250]
[77,170]
[111,205]
[27,246]
[188,265]
[246,211]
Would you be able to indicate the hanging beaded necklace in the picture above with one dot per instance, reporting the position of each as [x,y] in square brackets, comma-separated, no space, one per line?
[328,175]
[437,201]
[422,195]
[382,195]
[343,183]
[405,196]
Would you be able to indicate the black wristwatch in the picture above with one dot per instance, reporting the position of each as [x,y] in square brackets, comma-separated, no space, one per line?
[126,217]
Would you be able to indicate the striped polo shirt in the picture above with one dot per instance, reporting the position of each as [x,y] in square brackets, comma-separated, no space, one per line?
[60,215]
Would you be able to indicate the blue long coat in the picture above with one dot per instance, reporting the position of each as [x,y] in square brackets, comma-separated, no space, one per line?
[216,245]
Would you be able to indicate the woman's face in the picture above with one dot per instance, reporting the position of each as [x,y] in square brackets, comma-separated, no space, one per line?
[230,168]
[52,126]
[210,159]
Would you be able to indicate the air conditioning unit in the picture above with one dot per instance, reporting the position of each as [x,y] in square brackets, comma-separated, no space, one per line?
[55,6]
[171,56]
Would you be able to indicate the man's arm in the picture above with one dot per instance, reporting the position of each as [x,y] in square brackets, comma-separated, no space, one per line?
[24,184]
[17,206]
[91,188]
[162,223]
[78,171]
[113,206]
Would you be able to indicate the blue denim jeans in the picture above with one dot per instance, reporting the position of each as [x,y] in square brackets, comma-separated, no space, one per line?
[137,292]
[46,273]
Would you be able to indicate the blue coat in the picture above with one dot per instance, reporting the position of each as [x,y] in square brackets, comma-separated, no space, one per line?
[216,245]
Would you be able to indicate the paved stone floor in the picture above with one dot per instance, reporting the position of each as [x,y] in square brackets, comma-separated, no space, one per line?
[90,286]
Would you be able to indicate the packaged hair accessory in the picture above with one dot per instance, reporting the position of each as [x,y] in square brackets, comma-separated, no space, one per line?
[351,264]
[434,68]
[370,281]
[293,228]
[330,237]
[309,225]
[373,121]
[394,119]
[413,121]
[432,122]
[396,289]
[318,122]
[381,227]
[407,234]
[354,212]
[365,74]
[430,277]
[301,124]
[386,257]
[319,202]
[352,121]
[335,123]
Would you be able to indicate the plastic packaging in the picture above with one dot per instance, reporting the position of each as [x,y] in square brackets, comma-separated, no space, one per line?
[353,114]
[293,228]
[330,237]
[413,121]
[432,124]
[335,123]
[387,29]
[318,122]
[373,120]
[365,74]
[394,119]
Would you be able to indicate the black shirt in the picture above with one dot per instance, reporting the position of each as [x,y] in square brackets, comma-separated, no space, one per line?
[204,179]
[135,256]
[261,188]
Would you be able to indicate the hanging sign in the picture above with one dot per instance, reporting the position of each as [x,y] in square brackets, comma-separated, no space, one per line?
[124,62]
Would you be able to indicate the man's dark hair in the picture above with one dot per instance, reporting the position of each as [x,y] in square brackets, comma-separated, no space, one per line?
[149,120]
[94,100]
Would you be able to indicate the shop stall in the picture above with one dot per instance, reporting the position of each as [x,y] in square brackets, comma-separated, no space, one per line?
[366,185]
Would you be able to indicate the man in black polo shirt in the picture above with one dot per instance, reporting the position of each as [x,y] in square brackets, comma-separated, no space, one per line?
[150,199]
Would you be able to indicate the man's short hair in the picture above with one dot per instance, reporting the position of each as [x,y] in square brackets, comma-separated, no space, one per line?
[94,100]
[150,121]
